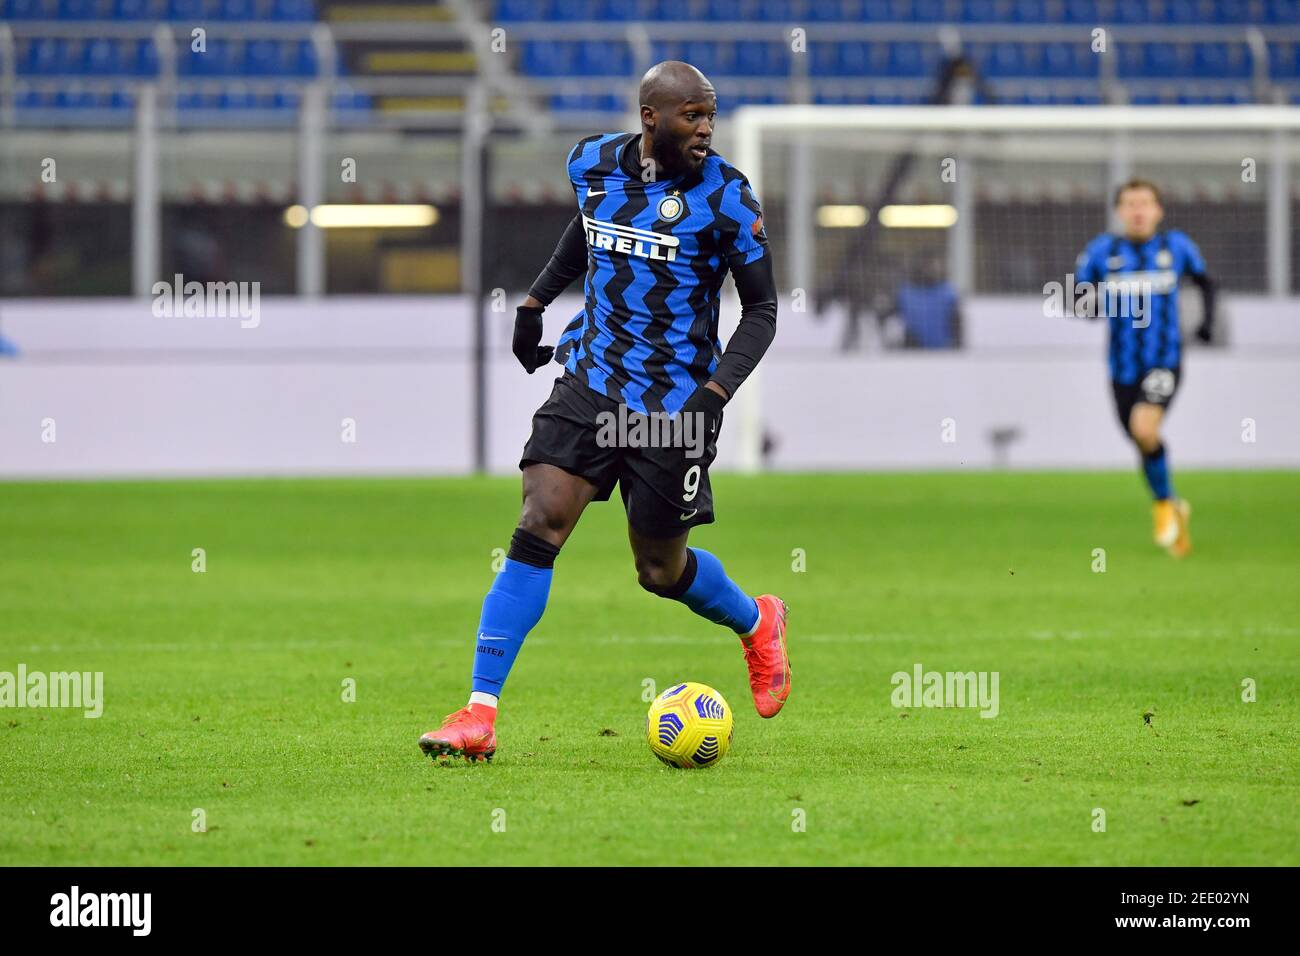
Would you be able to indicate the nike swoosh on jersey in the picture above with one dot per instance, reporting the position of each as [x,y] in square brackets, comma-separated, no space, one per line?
[688,517]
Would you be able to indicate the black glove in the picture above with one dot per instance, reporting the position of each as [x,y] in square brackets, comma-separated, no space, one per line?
[707,402]
[1205,332]
[528,333]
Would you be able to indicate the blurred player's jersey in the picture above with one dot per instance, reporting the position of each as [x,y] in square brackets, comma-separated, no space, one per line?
[657,255]
[1138,293]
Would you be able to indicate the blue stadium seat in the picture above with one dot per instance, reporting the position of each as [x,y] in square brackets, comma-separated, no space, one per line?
[1081,11]
[77,10]
[825,59]
[1283,11]
[262,57]
[1030,11]
[707,57]
[1284,60]
[733,10]
[237,97]
[1232,11]
[1131,13]
[214,61]
[74,98]
[1184,12]
[44,56]
[293,10]
[864,59]
[669,10]
[982,11]
[827,12]
[185,10]
[135,9]
[543,58]
[761,59]
[144,59]
[33,9]
[306,63]
[914,59]
[1069,59]
[575,10]
[103,57]
[604,102]
[347,98]
[618,10]
[929,11]
[236,10]
[517,11]
[602,58]
[1222,60]
[781,11]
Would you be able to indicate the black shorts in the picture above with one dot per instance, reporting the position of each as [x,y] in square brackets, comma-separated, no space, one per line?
[1155,386]
[665,489]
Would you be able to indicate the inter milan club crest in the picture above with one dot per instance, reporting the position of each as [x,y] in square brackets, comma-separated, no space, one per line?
[1164,259]
[671,207]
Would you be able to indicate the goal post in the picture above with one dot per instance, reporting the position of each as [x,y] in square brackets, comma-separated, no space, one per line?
[1000,200]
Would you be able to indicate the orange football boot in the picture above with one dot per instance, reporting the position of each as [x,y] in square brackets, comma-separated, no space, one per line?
[468,733]
[767,658]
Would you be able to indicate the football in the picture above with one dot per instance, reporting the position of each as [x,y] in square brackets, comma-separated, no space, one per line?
[689,725]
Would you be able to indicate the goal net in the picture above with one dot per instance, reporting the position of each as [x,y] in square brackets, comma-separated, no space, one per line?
[882,216]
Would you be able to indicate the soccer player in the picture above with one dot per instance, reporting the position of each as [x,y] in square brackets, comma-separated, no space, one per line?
[661,220]
[1136,274]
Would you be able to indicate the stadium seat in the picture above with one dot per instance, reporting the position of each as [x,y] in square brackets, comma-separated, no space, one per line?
[618,10]
[1284,60]
[516,11]
[1283,11]
[1029,11]
[236,10]
[1222,60]
[1130,13]
[541,58]
[668,10]
[77,10]
[33,9]
[262,58]
[602,58]
[864,59]
[135,9]
[575,10]
[185,10]
[293,10]
[732,10]
[1081,11]
[144,59]
[103,57]
[781,11]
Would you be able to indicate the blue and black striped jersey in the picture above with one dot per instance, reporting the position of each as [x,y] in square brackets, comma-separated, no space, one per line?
[1138,292]
[658,252]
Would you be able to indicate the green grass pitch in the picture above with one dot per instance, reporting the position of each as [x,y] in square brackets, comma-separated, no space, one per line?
[224,688]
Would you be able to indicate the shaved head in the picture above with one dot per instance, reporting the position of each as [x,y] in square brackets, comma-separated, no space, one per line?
[677,110]
[671,83]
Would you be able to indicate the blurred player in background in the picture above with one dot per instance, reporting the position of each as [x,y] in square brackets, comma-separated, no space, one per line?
[1136,273]
[662,219]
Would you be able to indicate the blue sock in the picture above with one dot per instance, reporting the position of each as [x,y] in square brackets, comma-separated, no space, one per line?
[712,595]
[511,609]
[1156,468]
